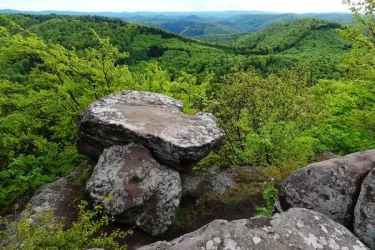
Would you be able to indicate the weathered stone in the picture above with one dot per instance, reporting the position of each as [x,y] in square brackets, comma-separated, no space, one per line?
[141,189]
[294,230]
[153,120]
[330,187]
[213,179]
[58,196]
[364,214]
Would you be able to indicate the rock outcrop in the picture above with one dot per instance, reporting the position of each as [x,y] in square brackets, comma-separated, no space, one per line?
[296,229]
[364,215]
[153,120]
[141,139]
[330,187]
[138,187]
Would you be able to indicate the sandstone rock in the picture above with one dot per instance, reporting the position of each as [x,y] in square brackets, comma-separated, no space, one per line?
[297,229]
[153,120]
[142,190]
[364,215]
[330,187]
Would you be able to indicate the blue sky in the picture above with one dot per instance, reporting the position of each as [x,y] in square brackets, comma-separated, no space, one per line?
[300,6]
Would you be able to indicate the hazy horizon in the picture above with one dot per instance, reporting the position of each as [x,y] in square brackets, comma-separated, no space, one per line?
[287,6]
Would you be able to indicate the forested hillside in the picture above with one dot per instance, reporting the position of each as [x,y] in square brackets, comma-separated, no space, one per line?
[281,95]
[201,25]
[195,24]
[176,53]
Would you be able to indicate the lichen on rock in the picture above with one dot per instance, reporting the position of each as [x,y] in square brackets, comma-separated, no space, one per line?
[296,229]
[137,187]
[330,187]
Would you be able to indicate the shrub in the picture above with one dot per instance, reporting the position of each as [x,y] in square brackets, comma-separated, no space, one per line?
[43,231]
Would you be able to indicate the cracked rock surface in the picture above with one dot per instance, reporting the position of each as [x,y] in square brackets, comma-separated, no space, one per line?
[153,120]
[330,187]
[296,229]
[138,187]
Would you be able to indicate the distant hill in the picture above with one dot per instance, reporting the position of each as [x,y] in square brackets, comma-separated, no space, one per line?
[284,35]
[236,24]
[144,14]
[250,22]
[196,24]
[279,46]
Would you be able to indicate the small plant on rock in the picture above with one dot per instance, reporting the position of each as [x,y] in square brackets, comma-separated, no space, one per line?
[270,195]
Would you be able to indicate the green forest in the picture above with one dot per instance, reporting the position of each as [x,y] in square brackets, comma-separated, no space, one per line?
[281,94]
[200,24]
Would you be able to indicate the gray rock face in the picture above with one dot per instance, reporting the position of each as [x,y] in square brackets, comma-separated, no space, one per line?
[153,120]
[294,230]
[330,187]
[142,190]
[58,195]
[364,214]
[212,179]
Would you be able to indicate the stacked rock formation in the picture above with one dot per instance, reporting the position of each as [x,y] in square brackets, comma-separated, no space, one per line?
[143,140]
[342,188]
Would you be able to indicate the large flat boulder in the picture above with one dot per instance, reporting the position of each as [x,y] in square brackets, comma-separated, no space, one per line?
[330,187]
[153,120]
[134,187]
[364,214]
[294,230]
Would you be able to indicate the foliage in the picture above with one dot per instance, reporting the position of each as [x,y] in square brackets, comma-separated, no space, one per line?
[350,125]
[359,63]
[270,196]
[185,88]
[284,35]
[266,119]
[44,232]
[219,38]
[39,114]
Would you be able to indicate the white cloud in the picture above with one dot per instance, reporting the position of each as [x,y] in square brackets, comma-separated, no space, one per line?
[177,5]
